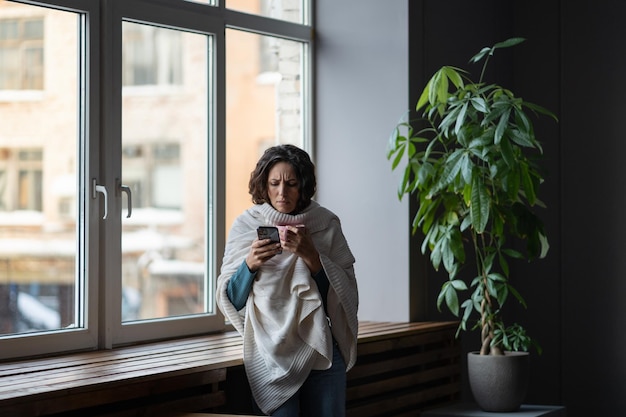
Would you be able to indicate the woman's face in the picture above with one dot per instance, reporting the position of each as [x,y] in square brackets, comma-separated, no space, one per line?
[283,187]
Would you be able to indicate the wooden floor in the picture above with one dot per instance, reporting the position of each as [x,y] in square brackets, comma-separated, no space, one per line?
[186,374]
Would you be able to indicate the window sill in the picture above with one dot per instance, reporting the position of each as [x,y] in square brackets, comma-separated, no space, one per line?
[189,374]
[128,374]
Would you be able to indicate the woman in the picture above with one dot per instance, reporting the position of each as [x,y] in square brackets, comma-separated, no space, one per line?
[294,302]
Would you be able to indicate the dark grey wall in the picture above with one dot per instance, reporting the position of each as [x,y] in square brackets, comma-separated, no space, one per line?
[572,63]
[593,262]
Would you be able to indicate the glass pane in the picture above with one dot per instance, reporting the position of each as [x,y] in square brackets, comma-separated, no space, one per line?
[289,10]
[264,84]
[39,172]
[165,163]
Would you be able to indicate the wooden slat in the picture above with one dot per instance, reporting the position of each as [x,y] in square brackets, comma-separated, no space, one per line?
[393,364]
[211,342]
[199,402]
[394,404]
[87,405]
[91,377]
[369,331]
[67,400]
[398,383]
[403,368]
[398,341]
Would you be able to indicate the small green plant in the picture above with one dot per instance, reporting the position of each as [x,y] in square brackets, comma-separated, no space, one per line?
[471,160]
[513,337]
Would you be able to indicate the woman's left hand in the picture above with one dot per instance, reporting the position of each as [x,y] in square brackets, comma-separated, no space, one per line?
[296,239]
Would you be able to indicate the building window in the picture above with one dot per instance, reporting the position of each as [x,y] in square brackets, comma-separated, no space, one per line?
[21,179]
[151,56]
[21,54]
[153,172]
[29,195]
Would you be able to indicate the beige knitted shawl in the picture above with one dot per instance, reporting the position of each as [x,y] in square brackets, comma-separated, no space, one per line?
[284,326]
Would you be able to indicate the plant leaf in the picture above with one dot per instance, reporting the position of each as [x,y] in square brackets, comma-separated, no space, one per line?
[481,54]
[507,152]
[545,246]
[508,43]
[452,300]
[441,88]
[454,76]
[452,167]
[479,104]
[460,119]
[423,100]
[397,159]
[479,208]
[541,110]
[517,296]
[527,184]
[467,167]
[502,125]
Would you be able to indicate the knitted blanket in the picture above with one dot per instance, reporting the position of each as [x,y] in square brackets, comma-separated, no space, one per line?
[285,329]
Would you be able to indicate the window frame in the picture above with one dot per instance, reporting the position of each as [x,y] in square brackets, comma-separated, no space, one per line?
[100,155]
[179,18]
[84,336]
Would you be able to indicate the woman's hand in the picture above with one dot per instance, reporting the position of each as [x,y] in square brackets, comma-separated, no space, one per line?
[296,239]
[260,252]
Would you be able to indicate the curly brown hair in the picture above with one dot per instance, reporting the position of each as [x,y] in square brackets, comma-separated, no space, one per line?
[302,165]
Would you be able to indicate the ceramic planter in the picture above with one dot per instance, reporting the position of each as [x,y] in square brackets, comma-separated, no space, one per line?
[498,383]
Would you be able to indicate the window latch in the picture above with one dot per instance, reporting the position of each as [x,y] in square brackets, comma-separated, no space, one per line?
[95,189]
[129,195]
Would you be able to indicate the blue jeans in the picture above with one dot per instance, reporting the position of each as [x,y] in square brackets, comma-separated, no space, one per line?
[323,393]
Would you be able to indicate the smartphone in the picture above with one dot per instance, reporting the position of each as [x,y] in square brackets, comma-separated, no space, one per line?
[269,232]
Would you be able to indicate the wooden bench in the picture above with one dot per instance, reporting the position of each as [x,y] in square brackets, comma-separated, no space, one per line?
[154,379]
[400,366]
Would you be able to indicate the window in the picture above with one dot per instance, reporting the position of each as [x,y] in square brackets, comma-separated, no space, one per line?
[21,53]
[265,93]
[21,177]
[40,258]
[153,172]
[151,55]
[115,204]
[166,243]
[29,181]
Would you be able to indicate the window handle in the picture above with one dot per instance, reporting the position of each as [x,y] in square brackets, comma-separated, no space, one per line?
[129,195]
[95,189]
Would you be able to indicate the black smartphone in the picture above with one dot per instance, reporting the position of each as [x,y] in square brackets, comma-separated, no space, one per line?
[269,232]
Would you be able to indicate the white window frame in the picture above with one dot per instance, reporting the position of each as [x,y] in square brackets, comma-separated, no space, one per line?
[100,151]
[86,335]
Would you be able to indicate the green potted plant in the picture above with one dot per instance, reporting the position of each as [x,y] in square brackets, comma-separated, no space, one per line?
[471,159]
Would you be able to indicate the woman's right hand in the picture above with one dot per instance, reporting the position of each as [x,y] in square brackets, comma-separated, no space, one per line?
[260,252]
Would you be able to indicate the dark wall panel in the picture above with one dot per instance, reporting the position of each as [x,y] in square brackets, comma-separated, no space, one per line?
[536,73]
[571,63]
[594,238]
